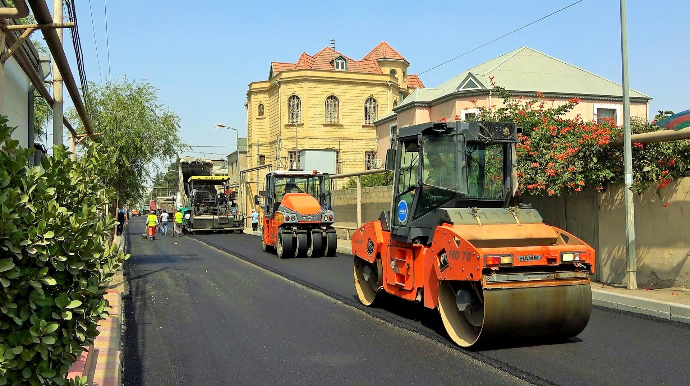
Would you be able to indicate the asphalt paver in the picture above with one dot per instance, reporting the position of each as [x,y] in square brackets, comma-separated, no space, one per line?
[616,348]
[195,315]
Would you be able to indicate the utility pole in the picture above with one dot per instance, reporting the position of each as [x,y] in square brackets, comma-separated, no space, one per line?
[277,151]
[627,160]
[57,84]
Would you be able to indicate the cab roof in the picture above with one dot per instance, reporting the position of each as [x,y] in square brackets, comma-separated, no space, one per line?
[297,173]
[219,179]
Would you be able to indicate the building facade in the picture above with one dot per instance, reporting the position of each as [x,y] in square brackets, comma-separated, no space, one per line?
[525,72]
[323,101]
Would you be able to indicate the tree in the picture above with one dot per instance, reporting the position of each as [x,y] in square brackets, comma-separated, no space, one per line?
[136,132]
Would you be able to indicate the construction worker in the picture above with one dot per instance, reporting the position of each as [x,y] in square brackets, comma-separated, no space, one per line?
[178,223]
[151,224]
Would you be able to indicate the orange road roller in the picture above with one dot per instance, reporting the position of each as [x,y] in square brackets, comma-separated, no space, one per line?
[457,240]
[297,219]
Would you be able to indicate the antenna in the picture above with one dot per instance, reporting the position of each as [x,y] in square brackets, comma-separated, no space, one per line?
[333,44]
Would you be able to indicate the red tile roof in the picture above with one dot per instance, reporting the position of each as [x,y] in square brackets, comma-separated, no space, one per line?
[384,51]
[413,81]
[323,60]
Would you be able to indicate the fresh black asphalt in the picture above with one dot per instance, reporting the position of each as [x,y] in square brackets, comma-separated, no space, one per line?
[615,349]
[197,316]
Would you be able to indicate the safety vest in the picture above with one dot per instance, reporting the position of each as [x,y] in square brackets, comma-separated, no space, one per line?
[178,217]
[151,220]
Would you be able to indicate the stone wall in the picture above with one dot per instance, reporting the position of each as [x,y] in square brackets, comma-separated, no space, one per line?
[374,201]
[662,236]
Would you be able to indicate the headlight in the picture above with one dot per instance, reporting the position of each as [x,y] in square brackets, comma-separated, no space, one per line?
[567,257]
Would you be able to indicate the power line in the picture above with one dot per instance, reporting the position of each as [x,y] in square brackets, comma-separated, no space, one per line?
[76,42]
[107,42]
[501,37]
[95,43]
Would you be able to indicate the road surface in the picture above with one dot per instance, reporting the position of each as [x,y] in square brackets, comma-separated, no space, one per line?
[197,316]
[616,348]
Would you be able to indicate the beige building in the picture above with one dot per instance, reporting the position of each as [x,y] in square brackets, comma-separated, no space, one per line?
[323,101]
[522,72]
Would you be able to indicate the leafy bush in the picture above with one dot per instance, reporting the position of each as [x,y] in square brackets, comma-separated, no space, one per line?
[558,154]
[370,180]
[55,257]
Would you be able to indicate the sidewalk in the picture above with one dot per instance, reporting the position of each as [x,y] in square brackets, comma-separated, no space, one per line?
[100,363]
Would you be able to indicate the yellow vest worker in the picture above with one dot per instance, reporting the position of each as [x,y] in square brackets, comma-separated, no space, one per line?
[178,217]
[151,220]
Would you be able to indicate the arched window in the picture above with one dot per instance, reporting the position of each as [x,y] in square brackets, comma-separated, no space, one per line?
[332,109]
[370,109]
[261,109]
[294,109]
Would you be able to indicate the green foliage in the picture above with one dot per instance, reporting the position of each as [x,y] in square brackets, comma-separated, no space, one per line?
[137,131]
[55,258]
[371,180]
[558,154]
[42,114]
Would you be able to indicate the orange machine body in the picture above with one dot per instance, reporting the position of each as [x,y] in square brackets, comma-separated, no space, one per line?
[302,203]
[459,253]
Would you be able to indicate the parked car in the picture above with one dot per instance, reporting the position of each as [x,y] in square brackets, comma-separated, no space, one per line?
[136,212]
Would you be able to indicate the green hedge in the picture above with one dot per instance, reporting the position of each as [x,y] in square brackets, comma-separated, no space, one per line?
[55,258]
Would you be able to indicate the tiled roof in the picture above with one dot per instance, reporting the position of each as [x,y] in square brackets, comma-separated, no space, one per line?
[384,51]
[323,60]
[413,81]
[280,66]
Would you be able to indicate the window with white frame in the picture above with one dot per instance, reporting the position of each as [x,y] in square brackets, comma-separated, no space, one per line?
[331,109]
[369,160]
[393,134]
[469,114]
[294,159]
[340,64]
[607,112]
[294,109]
[370,110]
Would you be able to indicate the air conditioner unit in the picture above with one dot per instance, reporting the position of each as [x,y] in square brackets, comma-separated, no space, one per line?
[378,164]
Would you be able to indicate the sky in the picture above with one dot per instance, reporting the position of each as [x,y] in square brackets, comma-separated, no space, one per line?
[203,55]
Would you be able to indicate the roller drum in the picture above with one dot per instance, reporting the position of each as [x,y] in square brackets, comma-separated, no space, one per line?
[520,312]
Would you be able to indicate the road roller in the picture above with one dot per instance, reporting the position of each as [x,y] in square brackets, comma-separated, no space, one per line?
[297,218]
[458,239]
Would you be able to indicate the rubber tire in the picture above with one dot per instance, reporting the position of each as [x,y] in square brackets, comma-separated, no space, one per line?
[331,244]
[302,245]
[285,247]
[315,245]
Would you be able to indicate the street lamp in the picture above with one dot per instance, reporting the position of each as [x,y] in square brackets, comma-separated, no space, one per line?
[237,132]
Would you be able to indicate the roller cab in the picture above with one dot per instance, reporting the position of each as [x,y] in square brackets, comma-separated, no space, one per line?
[456,239]
[297,217]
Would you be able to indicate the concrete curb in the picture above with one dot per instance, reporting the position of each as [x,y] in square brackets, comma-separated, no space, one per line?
[657,308]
